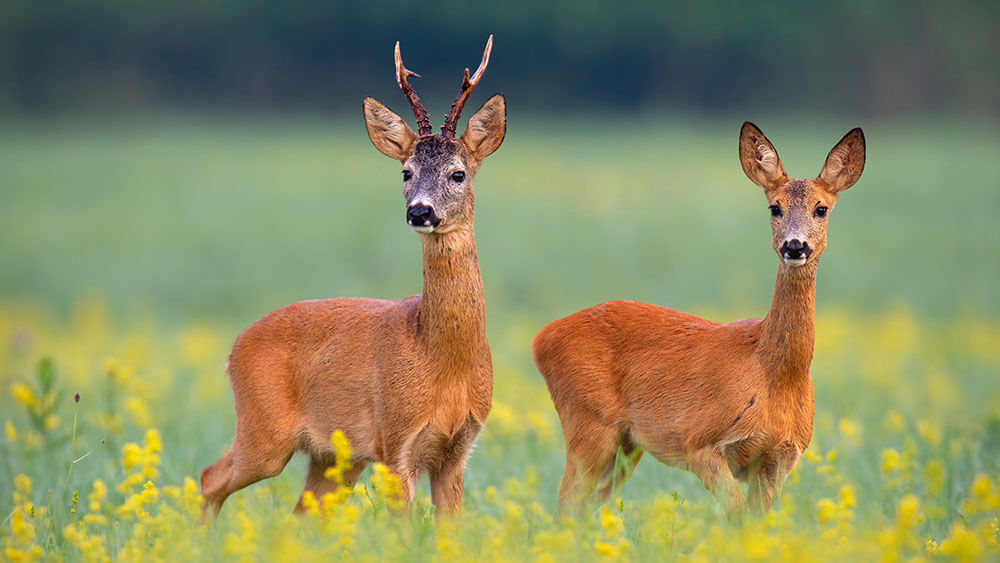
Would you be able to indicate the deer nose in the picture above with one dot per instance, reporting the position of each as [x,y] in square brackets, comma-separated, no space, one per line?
[421,216]
[794,249]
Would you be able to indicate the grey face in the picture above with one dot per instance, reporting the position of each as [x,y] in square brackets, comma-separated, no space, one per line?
[437,185]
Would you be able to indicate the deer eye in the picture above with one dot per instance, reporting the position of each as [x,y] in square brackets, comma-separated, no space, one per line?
[821,211]
[407,175]
[775,210]
[458,176]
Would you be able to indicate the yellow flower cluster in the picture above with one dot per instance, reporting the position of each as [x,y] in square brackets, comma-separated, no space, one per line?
[140,462]
[20,544]
[913,482]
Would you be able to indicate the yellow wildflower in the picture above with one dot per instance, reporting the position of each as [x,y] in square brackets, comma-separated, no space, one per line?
[826,510]
[980,487]
[891,460]
[908,512]
[850,429]
[329,501]
[847,497]
[611,550]
[153,441]
[22,529]
[50,422]
[149,493]
[22,484]
[309,503]
[113,367]
[492,496]
[23,394]
[894,421]
[387,486]
[961,544]
[138,411]
[342,451]
[542,425]
[931,546]
[10,431]
[74,534]
[929,432]
[192,496]
[132,455]
[554,541]
[611,523]
[243,543]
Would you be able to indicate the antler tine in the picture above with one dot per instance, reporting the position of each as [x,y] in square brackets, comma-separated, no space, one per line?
[423,118]
[451,120]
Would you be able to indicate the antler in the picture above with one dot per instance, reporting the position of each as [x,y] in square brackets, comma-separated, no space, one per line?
[451,120]
[423,118]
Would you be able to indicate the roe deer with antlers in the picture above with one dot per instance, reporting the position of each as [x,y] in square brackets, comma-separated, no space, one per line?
[408,382]
[725,401]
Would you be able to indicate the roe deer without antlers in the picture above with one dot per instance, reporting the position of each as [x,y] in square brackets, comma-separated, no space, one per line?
[725,401]
[408,382]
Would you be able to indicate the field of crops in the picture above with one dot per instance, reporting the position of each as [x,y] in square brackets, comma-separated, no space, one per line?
[133,253]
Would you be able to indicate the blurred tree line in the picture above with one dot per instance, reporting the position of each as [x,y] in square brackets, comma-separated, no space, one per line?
[885,56]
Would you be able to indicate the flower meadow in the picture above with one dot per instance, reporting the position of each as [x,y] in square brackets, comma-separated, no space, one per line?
[108,423]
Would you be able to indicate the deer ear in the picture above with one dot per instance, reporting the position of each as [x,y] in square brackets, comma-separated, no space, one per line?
[759,159]
[487,127]
[845,162]
[388,132]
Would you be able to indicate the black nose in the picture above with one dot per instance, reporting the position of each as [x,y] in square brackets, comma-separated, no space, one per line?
[795,249]
[420,215]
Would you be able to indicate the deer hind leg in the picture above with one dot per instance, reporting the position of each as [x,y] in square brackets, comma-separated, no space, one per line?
[590,463]
[766,482]
[761,486]
[246,462]
[320,485]
[712,468]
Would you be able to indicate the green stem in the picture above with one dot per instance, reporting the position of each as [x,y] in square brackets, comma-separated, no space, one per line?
[72,443]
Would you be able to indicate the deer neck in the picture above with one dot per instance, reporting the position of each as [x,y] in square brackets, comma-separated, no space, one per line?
[452,315]
[788,332]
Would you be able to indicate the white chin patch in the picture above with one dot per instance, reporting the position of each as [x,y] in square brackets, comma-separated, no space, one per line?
[794,261]
[423,228]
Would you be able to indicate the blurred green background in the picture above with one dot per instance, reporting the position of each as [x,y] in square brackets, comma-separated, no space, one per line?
[202,160]
[209,158]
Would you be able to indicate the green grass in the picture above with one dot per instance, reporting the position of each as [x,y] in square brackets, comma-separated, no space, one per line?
[181,224]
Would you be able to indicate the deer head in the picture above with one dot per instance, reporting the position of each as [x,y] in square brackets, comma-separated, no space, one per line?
[438,169]
[800,208]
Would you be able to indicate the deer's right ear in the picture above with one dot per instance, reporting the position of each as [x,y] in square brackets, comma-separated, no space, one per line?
[388,132]
[759,159]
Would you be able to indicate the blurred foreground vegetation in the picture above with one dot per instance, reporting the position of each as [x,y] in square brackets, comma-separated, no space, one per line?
[133,253]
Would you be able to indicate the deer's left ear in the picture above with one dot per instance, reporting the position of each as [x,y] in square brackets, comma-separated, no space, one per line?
[487,127]
[845,163]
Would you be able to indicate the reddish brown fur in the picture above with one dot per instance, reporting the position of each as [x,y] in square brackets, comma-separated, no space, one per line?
[725,401]
[408,382]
